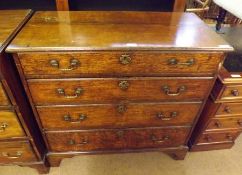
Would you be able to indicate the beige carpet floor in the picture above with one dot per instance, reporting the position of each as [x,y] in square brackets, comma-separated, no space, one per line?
[220,162]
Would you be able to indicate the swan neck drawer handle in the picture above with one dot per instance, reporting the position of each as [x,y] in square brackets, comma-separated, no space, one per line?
[174,61]
[74,64]
[180,89]
[78,91]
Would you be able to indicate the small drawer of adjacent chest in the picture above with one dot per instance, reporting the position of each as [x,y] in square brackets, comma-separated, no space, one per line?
[17,151]
[9,125]
[218,137]
[225,123]
[96,64]
[116,139]
[229,109]
[104,90]
[231,93]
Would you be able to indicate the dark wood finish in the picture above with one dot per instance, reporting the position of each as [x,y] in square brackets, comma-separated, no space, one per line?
[111,115]
[16,152]
[110,63]
[20,140]
[128,70]
[107,90]
[132,30]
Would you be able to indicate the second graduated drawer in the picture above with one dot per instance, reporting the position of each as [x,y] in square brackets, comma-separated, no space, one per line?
[117,115]
[9,125]
[96,64]
[109,90]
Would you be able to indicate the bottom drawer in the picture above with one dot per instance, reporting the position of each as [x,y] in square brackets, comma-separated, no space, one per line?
[17,151]
[116,139]
[215,137]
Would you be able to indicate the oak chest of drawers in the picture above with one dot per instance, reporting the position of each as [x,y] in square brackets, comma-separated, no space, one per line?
[103,82]
[21,142]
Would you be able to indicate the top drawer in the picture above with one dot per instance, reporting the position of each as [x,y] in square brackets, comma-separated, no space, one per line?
[95,64]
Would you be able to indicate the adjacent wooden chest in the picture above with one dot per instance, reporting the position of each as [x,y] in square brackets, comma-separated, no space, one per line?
[103,82]
[21,142]
[221,120]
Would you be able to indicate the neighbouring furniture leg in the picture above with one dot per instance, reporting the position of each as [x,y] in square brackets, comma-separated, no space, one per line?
[177,154]
[42,168]
[220,18]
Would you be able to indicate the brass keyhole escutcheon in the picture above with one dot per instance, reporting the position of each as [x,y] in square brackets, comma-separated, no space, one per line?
[124,85]
[121,108]
[125,59]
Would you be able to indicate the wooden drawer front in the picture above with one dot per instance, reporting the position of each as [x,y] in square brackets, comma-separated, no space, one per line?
[117,115]
[19,151]
[229,109]
[232,93]
[9,125]
[117,63]
[225,123]
[115,90]
[227,136]
[3,97]
[116,139]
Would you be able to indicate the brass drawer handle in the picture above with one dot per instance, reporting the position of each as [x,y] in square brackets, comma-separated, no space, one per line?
[125,59]
[163,139]
[73,142]
[235,92]
[174,61]
[14,156]
[77,93]
[3,127]
[180,89]
[161,116]
[74,63]
[124,85]
[227,109]
[218,124]
[81,118]
[121,108]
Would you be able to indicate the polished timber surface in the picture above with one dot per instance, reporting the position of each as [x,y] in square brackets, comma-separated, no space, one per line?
[9,21]
[71,31]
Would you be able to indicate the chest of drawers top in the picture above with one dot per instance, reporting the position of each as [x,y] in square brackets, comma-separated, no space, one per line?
[10,22]
[78,31]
